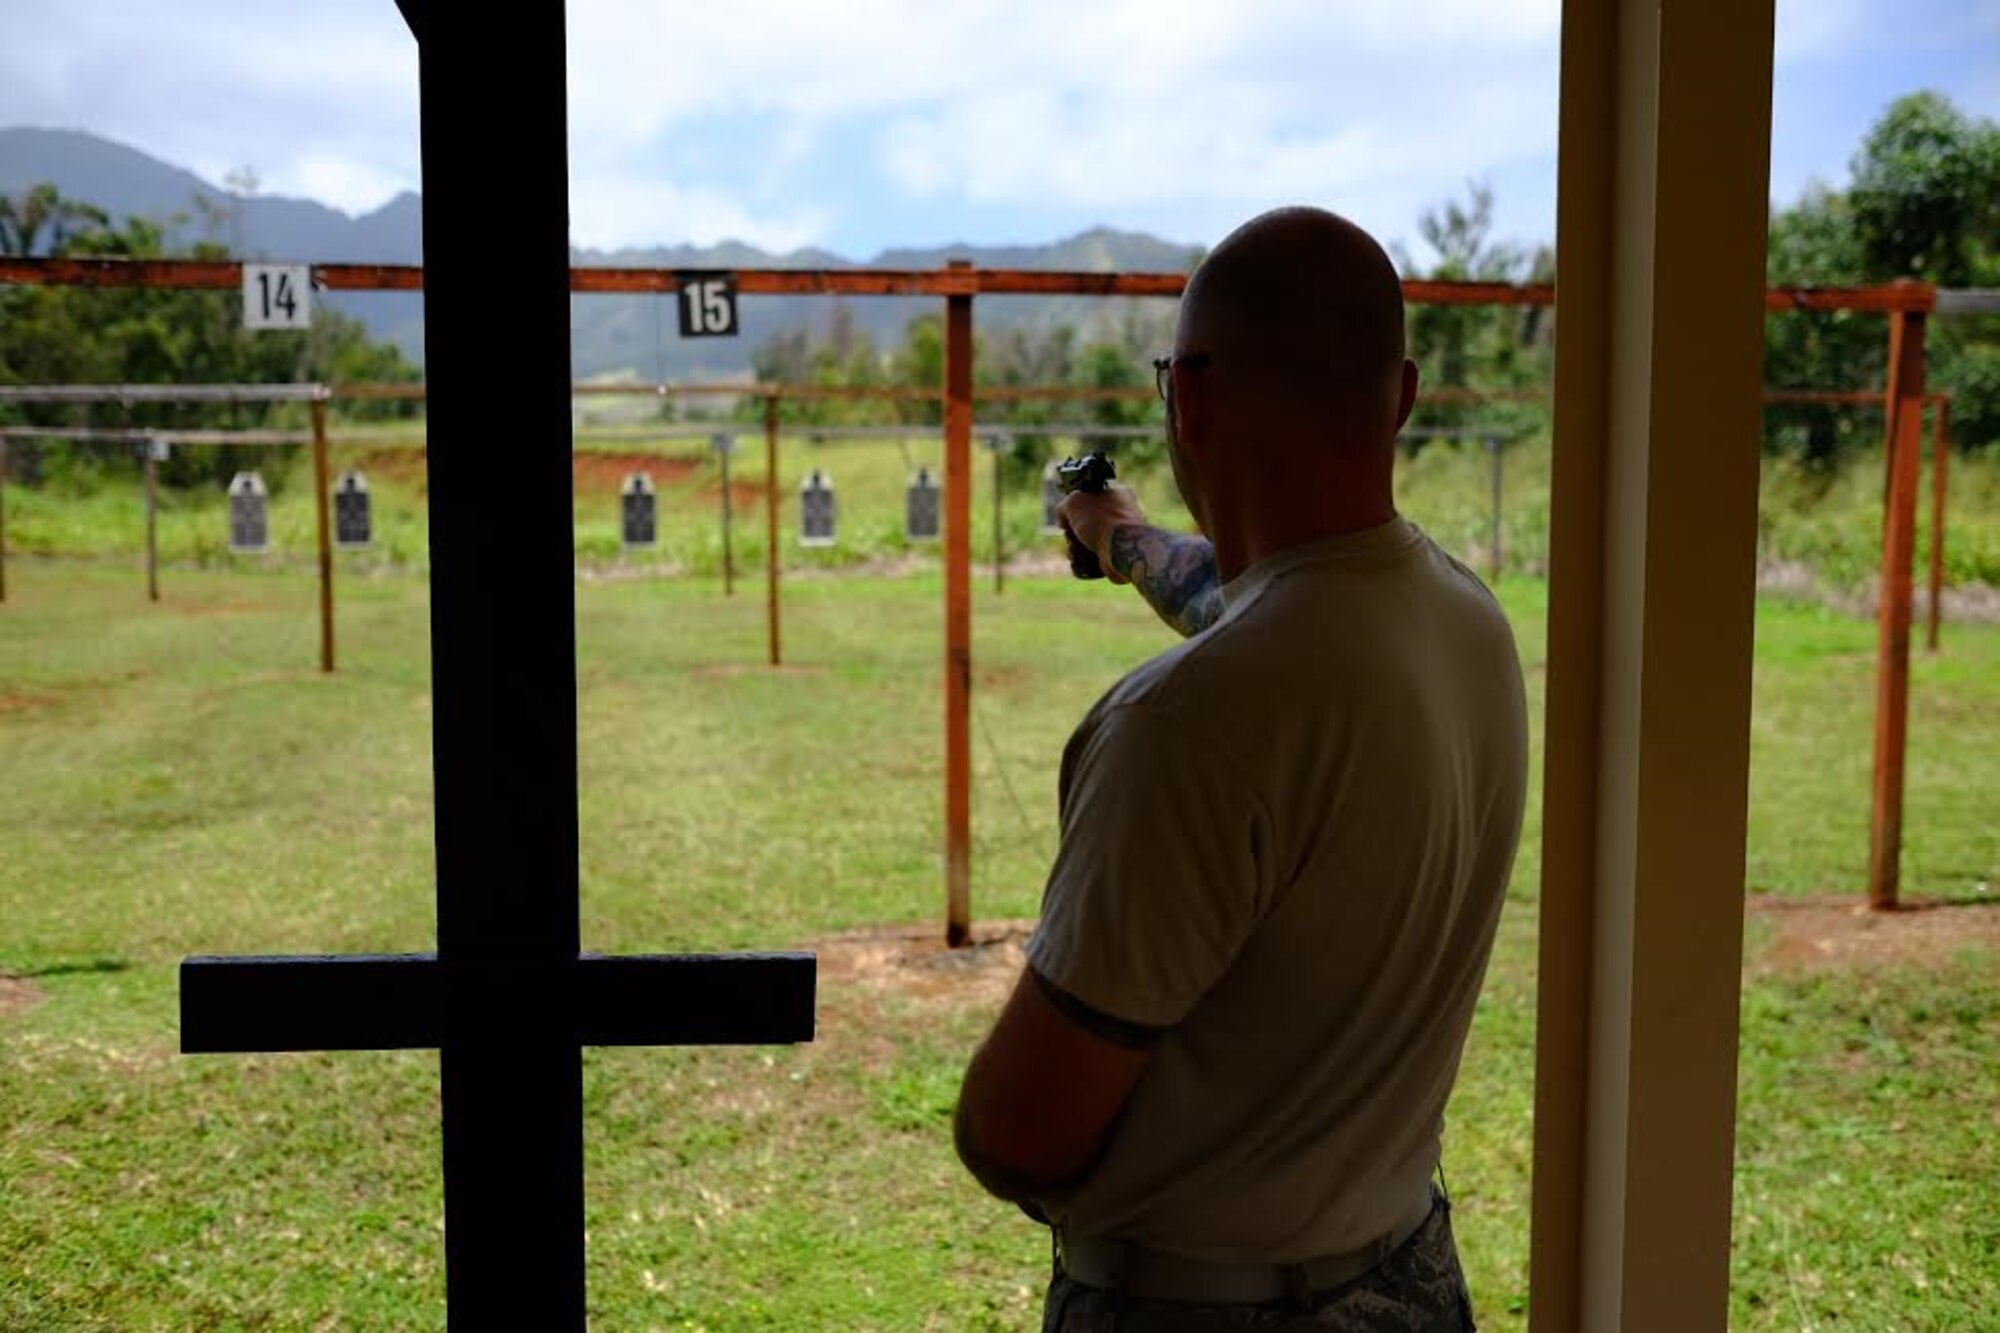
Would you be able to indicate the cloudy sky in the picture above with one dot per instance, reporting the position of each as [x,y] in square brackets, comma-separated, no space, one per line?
[871,123]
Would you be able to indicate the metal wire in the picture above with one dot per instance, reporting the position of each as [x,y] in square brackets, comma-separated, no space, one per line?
[164,393]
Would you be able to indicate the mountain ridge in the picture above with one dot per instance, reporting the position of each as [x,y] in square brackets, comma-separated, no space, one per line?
[609,334]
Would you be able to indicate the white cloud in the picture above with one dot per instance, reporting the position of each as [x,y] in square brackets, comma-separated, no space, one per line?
[313,93]
[1091,109]
[777,120]
[1348,109]
[1088,109]
[625,210]
[1020,143]
[348,183]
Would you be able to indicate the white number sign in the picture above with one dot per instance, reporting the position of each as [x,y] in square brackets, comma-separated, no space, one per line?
[708,305]
[277,296]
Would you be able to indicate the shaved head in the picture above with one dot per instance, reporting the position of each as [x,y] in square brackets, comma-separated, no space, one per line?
[1306,302]
[1289,384]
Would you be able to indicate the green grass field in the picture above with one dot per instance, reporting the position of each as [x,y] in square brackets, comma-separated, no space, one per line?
[179,779]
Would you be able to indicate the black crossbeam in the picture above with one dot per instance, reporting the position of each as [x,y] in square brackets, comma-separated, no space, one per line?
[401,1002]
[508,1000]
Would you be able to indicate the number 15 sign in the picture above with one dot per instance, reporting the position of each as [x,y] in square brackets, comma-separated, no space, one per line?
[277,296]
[707,304]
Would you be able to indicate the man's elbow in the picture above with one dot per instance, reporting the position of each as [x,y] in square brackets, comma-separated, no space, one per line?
[1011,1165]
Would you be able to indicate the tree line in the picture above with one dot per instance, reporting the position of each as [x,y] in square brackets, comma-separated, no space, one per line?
[123,335]
[1923,203]
[1111,351]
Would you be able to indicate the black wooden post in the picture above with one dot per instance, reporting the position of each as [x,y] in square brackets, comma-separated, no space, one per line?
[507,999]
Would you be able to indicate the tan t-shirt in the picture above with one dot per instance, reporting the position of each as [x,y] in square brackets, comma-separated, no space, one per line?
[1286,841]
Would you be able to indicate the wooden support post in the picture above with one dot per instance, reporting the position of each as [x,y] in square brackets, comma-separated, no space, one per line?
[3,520]
[724,446]
[1498,553]
[1662,207]
[771,520]
[958,617]
[1892,617]
[320,504]
[1940,466]
[152,521]
[999,524]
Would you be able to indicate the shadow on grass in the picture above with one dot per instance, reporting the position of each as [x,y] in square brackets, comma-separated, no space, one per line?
[73,967]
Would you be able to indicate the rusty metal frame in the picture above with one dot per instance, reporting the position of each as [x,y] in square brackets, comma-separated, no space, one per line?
[958,614]
[1905,303]
[313,395]
[954,280]
[1903,432]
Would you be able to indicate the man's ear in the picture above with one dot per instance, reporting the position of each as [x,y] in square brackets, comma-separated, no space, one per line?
[1407,401]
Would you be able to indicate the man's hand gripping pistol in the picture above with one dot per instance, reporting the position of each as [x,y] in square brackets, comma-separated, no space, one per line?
[1090,474]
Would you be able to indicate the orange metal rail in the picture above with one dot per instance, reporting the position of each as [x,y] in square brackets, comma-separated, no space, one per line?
[225,274]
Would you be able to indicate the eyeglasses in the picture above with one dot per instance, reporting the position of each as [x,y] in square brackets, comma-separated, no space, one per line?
[1163,371]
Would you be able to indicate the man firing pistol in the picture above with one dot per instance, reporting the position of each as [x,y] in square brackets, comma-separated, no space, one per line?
[1284,846]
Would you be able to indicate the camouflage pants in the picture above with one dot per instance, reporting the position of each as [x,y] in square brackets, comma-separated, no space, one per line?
[1417,1289]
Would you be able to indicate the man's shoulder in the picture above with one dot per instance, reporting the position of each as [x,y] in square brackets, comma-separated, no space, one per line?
[1189,675]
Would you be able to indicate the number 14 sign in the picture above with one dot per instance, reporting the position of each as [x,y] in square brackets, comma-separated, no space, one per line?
[707,304]
[277,296]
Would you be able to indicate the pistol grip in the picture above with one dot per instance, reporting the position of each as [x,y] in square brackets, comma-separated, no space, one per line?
[1083,561]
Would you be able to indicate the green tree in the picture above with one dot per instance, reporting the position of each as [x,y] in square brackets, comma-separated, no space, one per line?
[1112,366]
[1022,357]
[22,220]
[62,335]
[785,357]
[1815,243]
[1474,347]
[844,356]
[919,363]
[1924,203]
[1926,193]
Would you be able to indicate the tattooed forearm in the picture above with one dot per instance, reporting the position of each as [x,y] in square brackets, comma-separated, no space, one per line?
[1174,573]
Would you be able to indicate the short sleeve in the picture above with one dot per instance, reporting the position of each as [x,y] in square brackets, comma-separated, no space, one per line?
[1163,870]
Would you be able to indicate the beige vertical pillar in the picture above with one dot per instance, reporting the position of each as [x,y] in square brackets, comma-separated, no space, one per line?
[1662,205]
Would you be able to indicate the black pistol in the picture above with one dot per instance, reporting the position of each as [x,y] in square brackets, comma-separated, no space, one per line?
[1090,474]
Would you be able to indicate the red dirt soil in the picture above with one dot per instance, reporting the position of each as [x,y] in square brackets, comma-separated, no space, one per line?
[1829,933]
[17,994]
[1788,934]
[21,701]
[591,472]
[914,960]
[606,473]
[730,670]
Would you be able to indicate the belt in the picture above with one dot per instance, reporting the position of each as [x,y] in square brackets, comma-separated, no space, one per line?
[1150,1274]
